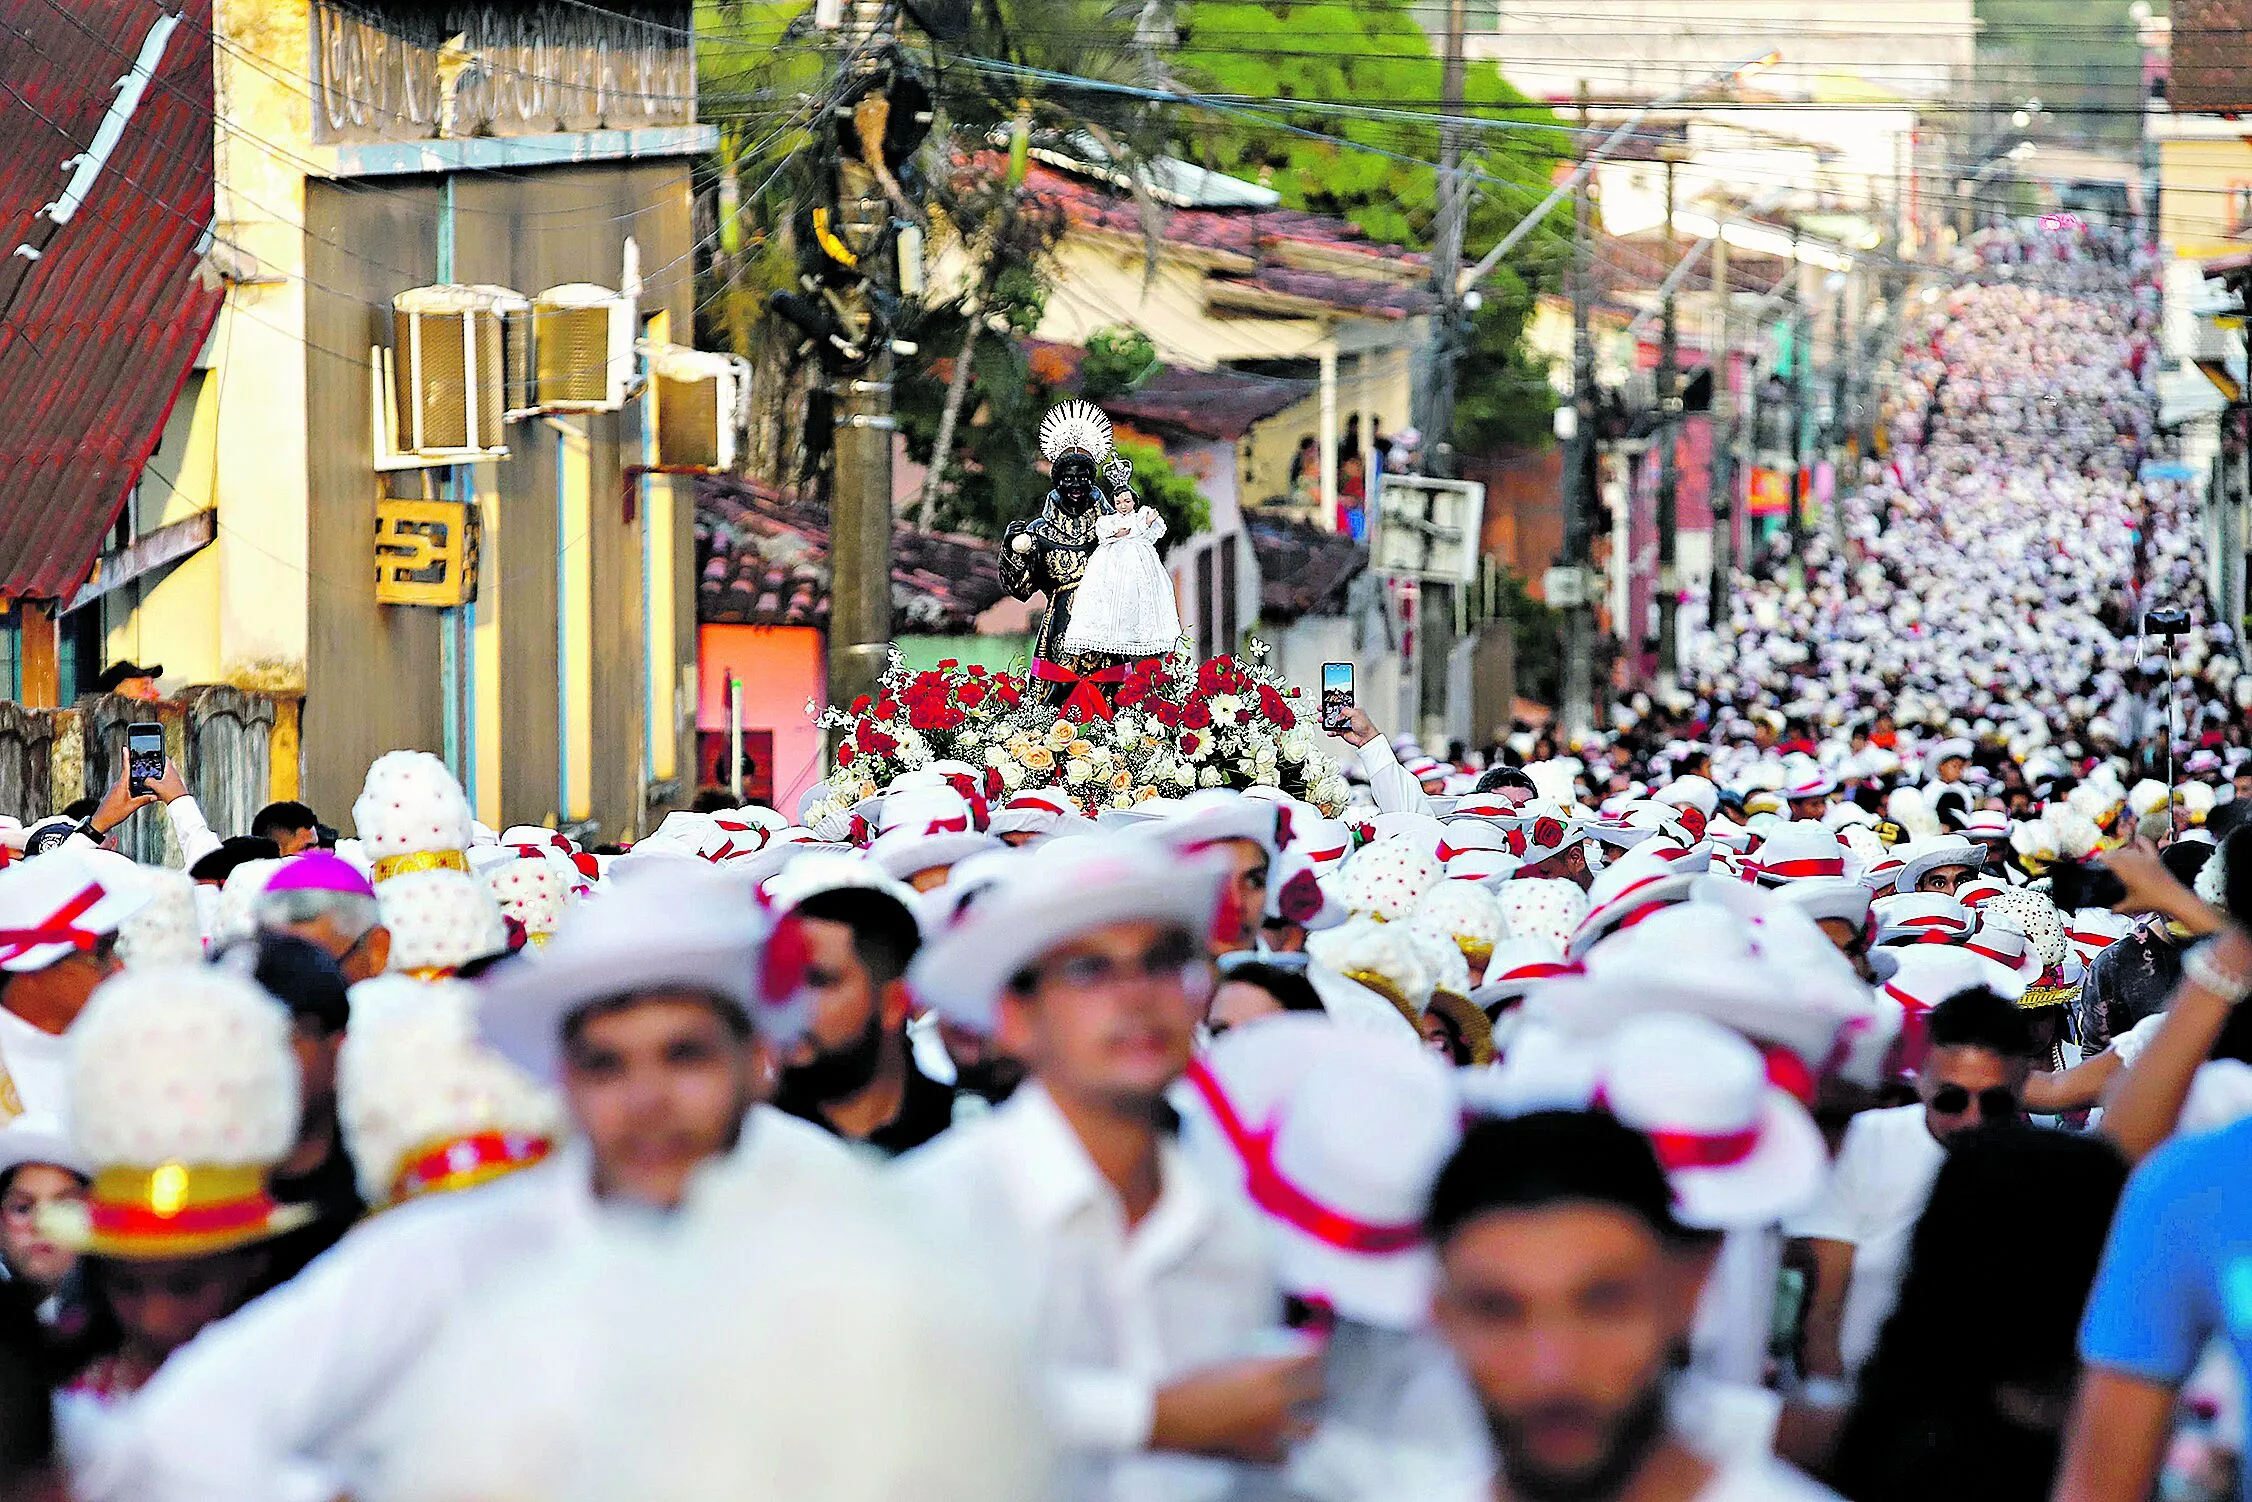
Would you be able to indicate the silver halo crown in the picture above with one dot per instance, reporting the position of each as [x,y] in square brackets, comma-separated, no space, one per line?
[1075,427]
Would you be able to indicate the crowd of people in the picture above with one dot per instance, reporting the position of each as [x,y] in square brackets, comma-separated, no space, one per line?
[1826,1082]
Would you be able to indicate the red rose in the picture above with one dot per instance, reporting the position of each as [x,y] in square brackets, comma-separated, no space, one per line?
[1009,694]
[844,754]
[860,705]
[1271,705]
[1190,742]
[1197,716]
[865,733]
[993,783]
[970,695]
[879,744]
[948,662]
[976,670]
[1243,717]
[887,708]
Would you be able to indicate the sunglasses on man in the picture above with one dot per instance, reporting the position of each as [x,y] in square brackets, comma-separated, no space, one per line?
[1997,1103]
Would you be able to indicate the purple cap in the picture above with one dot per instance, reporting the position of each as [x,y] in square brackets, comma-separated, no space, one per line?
[319,871]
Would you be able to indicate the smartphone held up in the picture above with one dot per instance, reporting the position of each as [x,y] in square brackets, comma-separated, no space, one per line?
[1336,697]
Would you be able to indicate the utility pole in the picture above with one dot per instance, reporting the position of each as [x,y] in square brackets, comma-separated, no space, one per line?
[1669,463]
[1578,708]
[1450,331]
[859,645]
[1841,384]
[1722,423]
[1801,327]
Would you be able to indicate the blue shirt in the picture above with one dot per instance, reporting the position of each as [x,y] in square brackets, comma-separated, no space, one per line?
[2178,1270]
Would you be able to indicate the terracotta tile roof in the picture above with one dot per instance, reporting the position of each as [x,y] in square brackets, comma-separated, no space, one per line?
[1303,569]
[1225,404]
[764,561]
[1264,250]
[107,322]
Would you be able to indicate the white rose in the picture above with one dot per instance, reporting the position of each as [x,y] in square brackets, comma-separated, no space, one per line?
[1126,727]
[1297,745]
[824,809]
[1331,792]
[1012,775]
[1210,777]
[997,757]
[1078,771]
[1181,774]
[1100,756]
[1122,800]
[1266,776]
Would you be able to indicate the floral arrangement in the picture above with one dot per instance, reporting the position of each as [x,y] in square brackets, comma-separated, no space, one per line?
[1165,727]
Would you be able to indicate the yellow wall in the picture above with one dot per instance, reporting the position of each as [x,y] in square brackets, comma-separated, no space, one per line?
[2199,186]
[1382,388]
[170,618]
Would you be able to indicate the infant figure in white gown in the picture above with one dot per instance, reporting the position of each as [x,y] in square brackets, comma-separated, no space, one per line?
[1124,604]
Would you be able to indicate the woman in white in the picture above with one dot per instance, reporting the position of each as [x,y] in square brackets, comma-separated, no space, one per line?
[1125,602]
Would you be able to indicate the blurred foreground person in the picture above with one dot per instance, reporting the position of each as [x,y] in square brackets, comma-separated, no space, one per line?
[1567,1290]
[822,1357]
[1144,1288]
[1973,1376]
[656,1011]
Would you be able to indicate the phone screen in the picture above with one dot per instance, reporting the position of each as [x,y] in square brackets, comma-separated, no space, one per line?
[144,754]
[1336,695]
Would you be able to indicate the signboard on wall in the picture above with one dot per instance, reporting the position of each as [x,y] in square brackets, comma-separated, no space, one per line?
[403,71]
[425,552]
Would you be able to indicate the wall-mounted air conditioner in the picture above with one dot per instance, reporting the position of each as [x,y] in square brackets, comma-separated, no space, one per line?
[703,404]
[448,375]
[572,351]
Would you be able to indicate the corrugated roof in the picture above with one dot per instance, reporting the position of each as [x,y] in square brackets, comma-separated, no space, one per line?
[1222,403]
[765,562]
[103,330]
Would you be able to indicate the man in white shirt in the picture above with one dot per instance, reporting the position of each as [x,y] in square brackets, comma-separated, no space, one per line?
[1975,1072]
[1145,1291]
[1565,1288]
[655,1013]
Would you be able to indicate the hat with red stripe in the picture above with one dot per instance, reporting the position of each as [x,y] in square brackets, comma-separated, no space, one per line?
[1926,856]
[1832,897]
[1214,816]
[1517,967]
[1815,785]
[1631,889]
[1461,836]
[183,1091]
[1335,1137]
[1917,917]
[1491,869]
[1803,850]
[2006,947]
[1739,1152]
[1296,893]
[64,902]
[1548,831]
[1038,811]
[1323,841]
[2095,929]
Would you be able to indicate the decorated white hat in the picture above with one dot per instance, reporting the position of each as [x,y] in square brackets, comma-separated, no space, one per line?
[535,892]
[905,851]
[1038,811]
[1335,1138]
[679,926]
[1380,957]
[1542,908]
[1387,879]
[1831,897]
[183,1092]
[64,902]
[1926,856]
[2005,946]
[1047,897]
[1296,893]
[2095,929]
[1739,1152]
[818,871]
[412,815]
[1803,850]
[168,929]
[1467,914]
[440,920]
[426,1107]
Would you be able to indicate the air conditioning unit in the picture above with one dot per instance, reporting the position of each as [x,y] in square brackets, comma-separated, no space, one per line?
[449,372]
[572,352]
[703,404]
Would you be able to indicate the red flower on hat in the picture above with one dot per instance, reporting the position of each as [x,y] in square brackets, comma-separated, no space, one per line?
[1548,832]
[782,964]
[1693,820]
[1300,899]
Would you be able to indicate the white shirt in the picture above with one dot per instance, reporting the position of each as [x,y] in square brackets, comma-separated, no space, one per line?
[38,1065]
[1395,790]
[1112,1313]
[1741,1478]
[1736,1315]
[1878,1188]
[293,1380]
